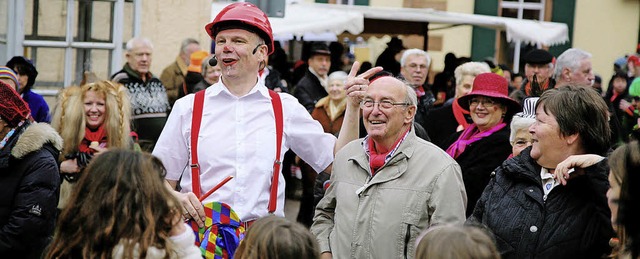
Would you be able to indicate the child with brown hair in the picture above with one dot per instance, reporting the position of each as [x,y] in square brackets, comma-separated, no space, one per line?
[275,237]
[456,242]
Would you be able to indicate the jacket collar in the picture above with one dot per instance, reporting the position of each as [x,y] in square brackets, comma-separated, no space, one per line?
[181,65]
[29,138]
[395,167]
[135,74]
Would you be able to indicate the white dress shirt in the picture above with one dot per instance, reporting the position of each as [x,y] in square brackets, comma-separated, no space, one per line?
[238,138]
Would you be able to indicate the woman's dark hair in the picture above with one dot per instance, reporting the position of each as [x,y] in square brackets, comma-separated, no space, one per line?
[580,110]
[624,164]
[24,66]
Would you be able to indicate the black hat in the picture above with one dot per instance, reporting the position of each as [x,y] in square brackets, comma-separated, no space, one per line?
[538,56]
[319,48]
[395,43]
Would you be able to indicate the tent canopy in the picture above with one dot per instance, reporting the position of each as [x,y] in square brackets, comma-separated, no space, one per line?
[301,18]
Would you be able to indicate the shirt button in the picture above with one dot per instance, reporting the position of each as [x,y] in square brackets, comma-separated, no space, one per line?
[530,190]
[533,229]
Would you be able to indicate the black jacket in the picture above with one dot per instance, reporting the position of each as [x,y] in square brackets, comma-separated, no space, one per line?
[573,222]
[309,90]
[479,160]
[29,191]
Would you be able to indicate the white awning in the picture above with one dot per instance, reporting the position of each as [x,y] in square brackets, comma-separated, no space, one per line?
[526,31]
[309,19]
[301,18]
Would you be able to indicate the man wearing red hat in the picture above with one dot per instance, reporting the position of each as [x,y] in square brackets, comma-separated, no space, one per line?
[238,127]
[29,179]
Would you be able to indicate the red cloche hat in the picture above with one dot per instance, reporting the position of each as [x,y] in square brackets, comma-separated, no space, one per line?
[494,86]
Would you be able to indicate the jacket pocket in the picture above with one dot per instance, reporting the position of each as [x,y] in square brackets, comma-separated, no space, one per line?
[410,231]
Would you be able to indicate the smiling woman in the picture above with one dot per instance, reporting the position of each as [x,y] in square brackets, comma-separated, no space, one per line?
[90,119]
[484,144]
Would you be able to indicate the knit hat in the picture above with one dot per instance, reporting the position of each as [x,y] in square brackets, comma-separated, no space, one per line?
[538,56]
[195,63]
[493,86]
[12,108]
[635,60]
[6,72]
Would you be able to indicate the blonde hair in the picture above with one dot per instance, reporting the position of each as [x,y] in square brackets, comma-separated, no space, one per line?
[457,242]
[69,116]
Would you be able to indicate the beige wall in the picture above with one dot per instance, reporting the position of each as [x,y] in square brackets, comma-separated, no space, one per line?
[606,34]
[168,22]
[456,39]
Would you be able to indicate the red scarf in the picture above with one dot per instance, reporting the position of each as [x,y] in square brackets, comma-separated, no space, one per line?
[527,87]
[459,113]
[377,159]
[470,135]
[420,91]
[100,136]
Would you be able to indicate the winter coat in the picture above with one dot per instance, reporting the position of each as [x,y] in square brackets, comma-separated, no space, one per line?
[309,91]
[381,216]
[479,160]
[573,221]
[38,106]
[29,190]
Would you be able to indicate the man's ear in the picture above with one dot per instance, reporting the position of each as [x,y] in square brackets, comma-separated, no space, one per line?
[566,74]
[409,114]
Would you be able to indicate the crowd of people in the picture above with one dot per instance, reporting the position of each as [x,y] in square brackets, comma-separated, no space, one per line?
[483,163]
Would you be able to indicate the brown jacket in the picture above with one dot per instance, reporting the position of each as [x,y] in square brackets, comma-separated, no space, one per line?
[172,78]
[321,114]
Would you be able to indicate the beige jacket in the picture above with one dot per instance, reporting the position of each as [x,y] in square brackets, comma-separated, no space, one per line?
[381,216]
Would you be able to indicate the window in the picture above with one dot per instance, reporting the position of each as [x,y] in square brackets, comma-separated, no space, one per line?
[66,38]
[510,52]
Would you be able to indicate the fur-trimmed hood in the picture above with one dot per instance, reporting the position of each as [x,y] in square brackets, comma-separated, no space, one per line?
[34,138]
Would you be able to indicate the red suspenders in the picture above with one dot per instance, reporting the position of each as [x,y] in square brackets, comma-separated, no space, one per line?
[196,120]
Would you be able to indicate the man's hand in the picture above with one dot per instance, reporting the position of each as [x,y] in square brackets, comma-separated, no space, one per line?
[191,207]
[576,162]
[356,85]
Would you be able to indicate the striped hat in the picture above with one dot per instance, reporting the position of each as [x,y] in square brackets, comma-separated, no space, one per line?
[6,72]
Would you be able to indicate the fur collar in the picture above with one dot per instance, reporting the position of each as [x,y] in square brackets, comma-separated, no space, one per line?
[34,138]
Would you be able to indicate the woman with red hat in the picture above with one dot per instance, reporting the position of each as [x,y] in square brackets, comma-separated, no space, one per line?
[484,144]
[29,179]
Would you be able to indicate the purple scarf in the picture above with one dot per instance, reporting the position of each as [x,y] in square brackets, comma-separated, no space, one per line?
[469,135]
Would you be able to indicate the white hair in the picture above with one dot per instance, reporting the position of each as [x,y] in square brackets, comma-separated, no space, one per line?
[470,69]
[410,52]
[570,59]
[185,43]
[137,41]
[338,75]
[517,123]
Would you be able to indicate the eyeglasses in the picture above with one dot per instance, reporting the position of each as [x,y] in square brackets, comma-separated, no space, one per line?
[384,104]
[522,142]
[486,102]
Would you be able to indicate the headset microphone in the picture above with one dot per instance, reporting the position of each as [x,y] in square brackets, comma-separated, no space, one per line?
[213,61]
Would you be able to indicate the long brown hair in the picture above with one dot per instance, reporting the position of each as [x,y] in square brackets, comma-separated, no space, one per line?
[624,164]
[120,197]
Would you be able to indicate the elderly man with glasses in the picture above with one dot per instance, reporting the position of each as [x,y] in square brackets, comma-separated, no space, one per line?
[388,187]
